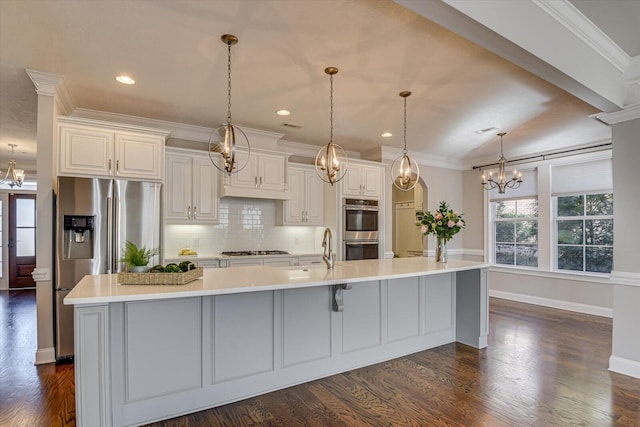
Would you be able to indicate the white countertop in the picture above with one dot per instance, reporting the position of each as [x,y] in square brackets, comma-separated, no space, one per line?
[217,281]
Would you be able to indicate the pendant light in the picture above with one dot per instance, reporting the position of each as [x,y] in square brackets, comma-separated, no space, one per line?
[14,176]
[404,170]
[331,161]
[223,139]
[501,182]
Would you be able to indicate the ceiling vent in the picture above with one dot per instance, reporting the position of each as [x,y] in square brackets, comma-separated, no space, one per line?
[289,125]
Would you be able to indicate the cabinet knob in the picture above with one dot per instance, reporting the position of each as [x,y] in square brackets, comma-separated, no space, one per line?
[109,166]
[188,212]
[195,212]
[255,179]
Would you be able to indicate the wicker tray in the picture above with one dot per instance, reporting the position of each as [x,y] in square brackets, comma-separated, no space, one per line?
[159,278]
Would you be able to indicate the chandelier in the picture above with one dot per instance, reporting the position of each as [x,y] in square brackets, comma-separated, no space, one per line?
[14,176]
[223,139]
[331,161]
[501,182]
[404,170]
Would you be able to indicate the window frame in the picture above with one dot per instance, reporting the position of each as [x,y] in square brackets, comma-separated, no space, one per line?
[584,217]
[494,220]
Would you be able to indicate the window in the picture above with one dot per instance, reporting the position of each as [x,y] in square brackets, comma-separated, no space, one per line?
[516,232]
[584,232]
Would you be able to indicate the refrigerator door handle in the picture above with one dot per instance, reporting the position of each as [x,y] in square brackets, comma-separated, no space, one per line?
[109,234]
[116,234]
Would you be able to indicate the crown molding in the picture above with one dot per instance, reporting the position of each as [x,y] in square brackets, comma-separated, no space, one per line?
[307,150]
[630,112]
[177,130]
[389,154]
[632,74]
[113,125]
[573,20]
[53,85]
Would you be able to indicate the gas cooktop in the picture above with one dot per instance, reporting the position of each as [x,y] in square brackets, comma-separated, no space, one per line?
[246,253]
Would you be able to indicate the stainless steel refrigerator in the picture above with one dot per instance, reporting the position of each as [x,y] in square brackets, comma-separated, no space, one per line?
[94,219]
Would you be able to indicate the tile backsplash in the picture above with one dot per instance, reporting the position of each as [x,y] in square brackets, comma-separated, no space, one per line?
[245,224]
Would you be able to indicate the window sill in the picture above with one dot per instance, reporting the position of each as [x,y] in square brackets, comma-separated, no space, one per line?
[528,271]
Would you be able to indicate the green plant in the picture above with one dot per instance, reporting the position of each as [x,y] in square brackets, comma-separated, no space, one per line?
[135,256]
[444,222]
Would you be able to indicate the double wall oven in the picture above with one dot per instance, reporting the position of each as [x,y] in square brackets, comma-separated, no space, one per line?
[360,235]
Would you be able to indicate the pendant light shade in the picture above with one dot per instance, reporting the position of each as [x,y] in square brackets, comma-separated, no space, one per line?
[227,138]
[331,161]
[405,172]
[14,177]
[501,182]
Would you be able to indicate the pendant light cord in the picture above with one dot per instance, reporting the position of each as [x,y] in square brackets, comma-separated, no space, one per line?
[331,109]
[404,150]
[229,84]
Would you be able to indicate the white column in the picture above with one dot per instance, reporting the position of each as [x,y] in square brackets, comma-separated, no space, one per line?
[50,104]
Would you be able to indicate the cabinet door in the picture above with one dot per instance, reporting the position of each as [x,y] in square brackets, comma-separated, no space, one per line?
[244,262]
[205,190]
[177,189]
[294,207]
[280,262]
[314,199]
[310,260]
[351,183]
[370,181]
[139,156]
[85,151]
[271,173]
[248,176]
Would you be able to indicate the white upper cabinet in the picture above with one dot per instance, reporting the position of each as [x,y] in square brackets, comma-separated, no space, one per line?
[100,149]
[262,177]
[362,181]
[191,188]
[306,203]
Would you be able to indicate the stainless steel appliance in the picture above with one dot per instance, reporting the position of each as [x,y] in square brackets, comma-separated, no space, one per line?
[94,218]
[360,235]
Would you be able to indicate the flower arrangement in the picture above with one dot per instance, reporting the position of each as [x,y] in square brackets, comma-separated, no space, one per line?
[443,223]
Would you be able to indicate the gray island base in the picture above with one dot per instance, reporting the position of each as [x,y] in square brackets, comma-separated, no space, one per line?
[147,353]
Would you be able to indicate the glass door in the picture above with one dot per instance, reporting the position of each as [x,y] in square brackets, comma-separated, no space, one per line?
[22,240]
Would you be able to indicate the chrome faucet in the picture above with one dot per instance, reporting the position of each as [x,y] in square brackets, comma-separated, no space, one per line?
[328,256]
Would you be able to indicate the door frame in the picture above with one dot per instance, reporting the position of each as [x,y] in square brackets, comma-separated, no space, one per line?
[4,197]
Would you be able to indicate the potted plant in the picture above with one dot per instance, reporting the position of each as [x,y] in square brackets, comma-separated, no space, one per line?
[137,259]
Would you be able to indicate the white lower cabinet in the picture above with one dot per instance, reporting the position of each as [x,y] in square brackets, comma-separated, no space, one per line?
[191,188]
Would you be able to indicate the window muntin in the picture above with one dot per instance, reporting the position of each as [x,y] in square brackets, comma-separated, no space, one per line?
[516,232]
[584,232]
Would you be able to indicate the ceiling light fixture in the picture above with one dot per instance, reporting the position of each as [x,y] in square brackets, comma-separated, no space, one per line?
[125,80]
[223,139]
[404,170]
[14,176]
[501,183]
[283,112]
[386,135]
[331,161]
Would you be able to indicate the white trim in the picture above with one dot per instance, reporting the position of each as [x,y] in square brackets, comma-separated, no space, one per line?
[45,355]
[554,303]
[473,252]
[630,112]
[624,366]
[53,85]
[625,278]
[577,277]
[112,125]
[307,150]
[388,255]
[391,153]
[574,21]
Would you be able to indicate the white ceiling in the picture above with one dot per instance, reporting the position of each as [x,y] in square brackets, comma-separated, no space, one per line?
[173,50]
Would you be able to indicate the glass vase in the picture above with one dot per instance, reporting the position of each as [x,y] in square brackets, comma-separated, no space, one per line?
[441,249]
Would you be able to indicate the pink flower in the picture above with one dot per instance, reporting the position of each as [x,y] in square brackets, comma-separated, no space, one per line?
[438,215]
[456,213]
[423,229]
[451,224]
[460,223]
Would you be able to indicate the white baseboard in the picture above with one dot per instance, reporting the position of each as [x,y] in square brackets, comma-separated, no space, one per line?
[45,355]
[624,366]
[554,303]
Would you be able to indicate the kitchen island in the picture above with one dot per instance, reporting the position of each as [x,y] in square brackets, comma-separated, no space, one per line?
[146,353]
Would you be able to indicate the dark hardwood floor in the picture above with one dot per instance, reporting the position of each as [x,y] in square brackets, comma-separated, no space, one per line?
[543,367]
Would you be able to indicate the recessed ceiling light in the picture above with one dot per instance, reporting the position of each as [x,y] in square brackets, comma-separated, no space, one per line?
[283,112]
[386,135]
[125,80]
[487,129]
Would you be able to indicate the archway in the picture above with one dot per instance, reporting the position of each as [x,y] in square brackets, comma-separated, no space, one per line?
[407,240]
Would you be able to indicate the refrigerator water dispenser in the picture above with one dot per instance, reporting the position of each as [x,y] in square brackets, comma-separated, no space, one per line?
[78,236]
